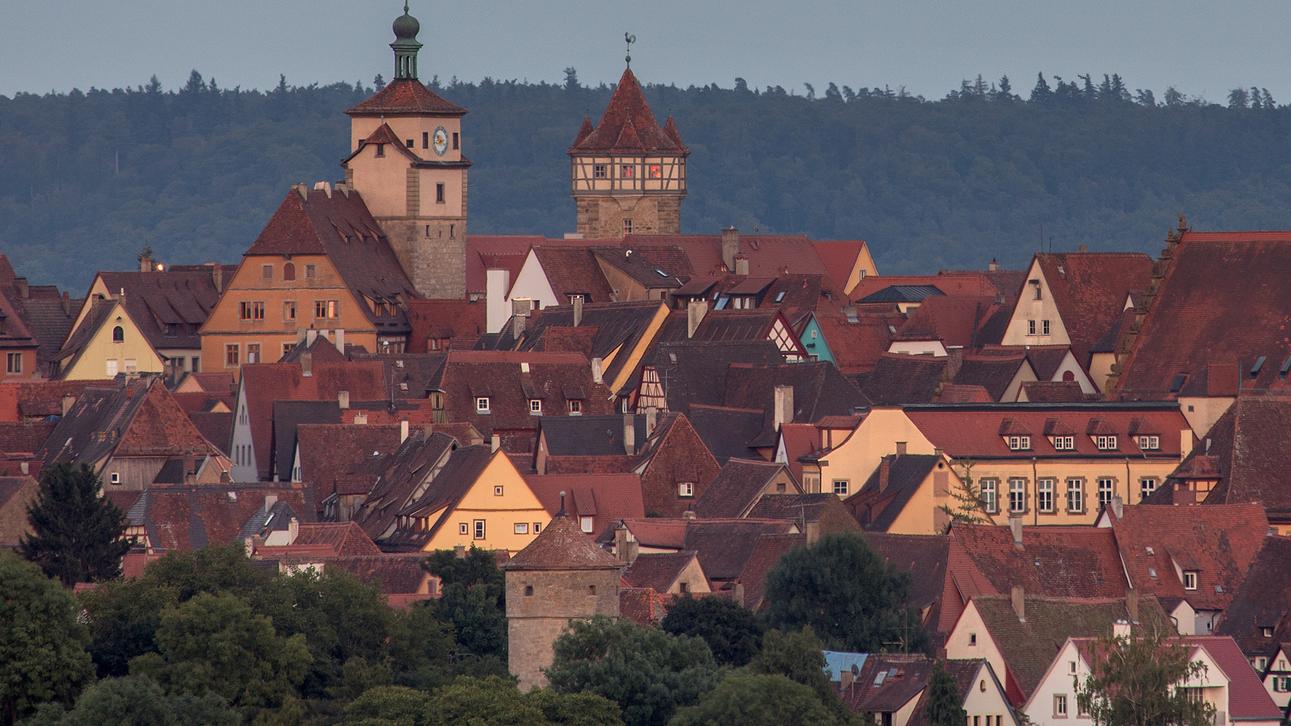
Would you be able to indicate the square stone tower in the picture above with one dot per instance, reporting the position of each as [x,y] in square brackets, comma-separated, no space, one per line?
[560,577]
[408,166]
[627,174]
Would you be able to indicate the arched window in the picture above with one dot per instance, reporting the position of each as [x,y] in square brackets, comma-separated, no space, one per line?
[289,271]
[118,334]
[1068,376]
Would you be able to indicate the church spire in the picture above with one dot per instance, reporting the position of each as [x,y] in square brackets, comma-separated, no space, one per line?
[405,45]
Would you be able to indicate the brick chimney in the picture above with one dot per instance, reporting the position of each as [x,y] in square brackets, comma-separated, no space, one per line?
[783,406]
[730,247]
[598,370]
[629,434]
[1017,596]
[403,431]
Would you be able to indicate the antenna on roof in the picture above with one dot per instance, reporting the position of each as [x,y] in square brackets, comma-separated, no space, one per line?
[561,513]
[629,38]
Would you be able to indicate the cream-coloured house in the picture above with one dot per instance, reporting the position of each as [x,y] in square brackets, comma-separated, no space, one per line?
[1225,681]
[105,342]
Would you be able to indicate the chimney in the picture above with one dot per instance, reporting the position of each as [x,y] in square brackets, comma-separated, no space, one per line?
[343,399]
[1082,248]
[730,247]
[598,371]
[993,265]
[1015,527]
[885,472]
[695,312]
[293,530]
[495,442]
[739,594]
[578,311]
[625,545]
[651,419]
[269,501]
[1132,604]
[783,410]
[1185,443]
[517,326]
[145,262]
[68,401]
[307,364]
[217,277]
[360,418]
[1121,629]
[902,447]
[629,434]
[403,431]
[67,301]
[324,187]
[1118,506]
[742,266]
[24,290]
[1019,600]
[340,339]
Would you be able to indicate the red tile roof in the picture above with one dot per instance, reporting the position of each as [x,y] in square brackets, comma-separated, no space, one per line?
[1090,290]
[658,570]
[954,320]
[1261,601]
[181,518]
[329,451]
[563,546]
[459,321]
[405,96]
[973,284]
[605,498]
[765,554]
[169,306]
[899,379]
[857,347]
[628,126]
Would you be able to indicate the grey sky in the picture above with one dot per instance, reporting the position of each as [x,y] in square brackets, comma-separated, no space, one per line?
[1203,48]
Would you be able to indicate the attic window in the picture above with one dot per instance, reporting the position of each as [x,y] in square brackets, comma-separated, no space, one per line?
[585,523]
[535,406]
[1064,443]
[1105,443]
[1190,579]
[118,334]
[686,489]
[1019,443]
[482,404]
[497,490]
[381,150]
[1266,632]
[116,477]
[575,408]
[1150,443]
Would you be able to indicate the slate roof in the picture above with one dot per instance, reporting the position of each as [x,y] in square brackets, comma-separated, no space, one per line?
[606,498]
[727,432]
[182,518]
[1218,542]
[878,503]
[405,96]
[1090,290]
[738,486]
[657,571]
[627,126]
[562,546]
[902,294]
[169,306]
[899,379]
[1261,601]
[1029,647]
[287,415]
[818,390]
[339,225]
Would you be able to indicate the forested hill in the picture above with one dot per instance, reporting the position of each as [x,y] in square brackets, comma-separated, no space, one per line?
[88,179]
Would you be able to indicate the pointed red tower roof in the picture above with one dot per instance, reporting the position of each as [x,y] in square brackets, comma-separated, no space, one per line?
[628,126]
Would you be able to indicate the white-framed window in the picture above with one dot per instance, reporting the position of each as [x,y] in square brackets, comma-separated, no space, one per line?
[537,527]
[110,367]
[686,489]
[13,363]
[1019,443]
[1105,443]
[841,487]
[535,406]
[1266,631]
[482,404]
[1147,485]
[575,407]
[115,477]
[1064,443]
[1106,490]
[1076,496]
[577,297]
[1190,579]
[1150,442]
[463,528]
[521,528]
[1060,705]
[1044,327]
[1017,495]
[586,524]
[1045,495]
[1030,327]
[479,529]
[232,355]
[990,492]
[497,490]
[600,171]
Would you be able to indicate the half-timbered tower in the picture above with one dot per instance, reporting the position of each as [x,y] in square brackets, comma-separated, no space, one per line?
[628,174]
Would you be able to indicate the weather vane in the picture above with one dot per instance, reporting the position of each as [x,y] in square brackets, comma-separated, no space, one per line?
[630,39]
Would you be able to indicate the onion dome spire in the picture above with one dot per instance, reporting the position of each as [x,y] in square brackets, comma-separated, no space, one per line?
[405,44]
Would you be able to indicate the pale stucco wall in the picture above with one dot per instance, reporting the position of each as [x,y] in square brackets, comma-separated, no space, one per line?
[855,457]
[133,352]
[517,504]
[986,698]
[959,644]
[1029,308]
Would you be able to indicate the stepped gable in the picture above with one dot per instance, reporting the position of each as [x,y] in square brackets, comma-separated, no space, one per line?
[628,126]
[339,225]
[563,546]
[1223,296]
[406,96]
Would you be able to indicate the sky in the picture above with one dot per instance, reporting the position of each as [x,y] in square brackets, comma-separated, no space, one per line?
[927,46]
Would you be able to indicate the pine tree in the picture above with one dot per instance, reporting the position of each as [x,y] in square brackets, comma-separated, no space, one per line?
[944,708]
[571,79]
[75,533]
[967,507]
[378,82]
[1041,93]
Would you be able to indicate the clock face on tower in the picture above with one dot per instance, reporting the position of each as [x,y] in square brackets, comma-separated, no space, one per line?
[440,140]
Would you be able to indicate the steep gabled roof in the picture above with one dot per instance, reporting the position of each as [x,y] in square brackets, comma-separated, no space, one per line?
[603,497]
[657,571]
[922,557]
[328,451]
[992,372]
[1248,450]
[891,485]
[737,487]
[445,490]
[1090,290]
[405,97]
[287,415]
[898,379]
[628,126]
[181,518]
[397,477]
[694,371]
[169,306]
[1262,601]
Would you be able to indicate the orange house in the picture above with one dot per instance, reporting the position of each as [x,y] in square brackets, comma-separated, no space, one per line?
[322,263]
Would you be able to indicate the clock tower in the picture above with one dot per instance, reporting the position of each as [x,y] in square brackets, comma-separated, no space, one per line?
[628,174]
[407,164]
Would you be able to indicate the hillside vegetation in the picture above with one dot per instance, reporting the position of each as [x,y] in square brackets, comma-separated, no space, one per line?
[89,178]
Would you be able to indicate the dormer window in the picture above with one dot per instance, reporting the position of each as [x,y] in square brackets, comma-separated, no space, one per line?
[482,404]
[1064,443]
[535,406]
[575,408]
[1019,443]
[1105,443]
[1266,632]
[1190,579]
[1150,443]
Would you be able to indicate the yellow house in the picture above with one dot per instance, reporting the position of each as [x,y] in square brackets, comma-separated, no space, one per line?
[1044,463]
[477,499]
[908,494]
[107,341]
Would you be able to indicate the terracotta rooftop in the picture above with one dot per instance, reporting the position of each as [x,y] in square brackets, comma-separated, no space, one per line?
[628,126]
[405,96]
[1090,290]
[899,379]
[563,546]
[1261,601]
[605,498]
[657,570]
[738,486]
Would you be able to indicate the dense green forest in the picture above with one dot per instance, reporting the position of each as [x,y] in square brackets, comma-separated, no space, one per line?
[990,170]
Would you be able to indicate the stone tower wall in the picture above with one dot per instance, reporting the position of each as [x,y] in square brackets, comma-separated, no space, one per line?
[534,621]
[601,217]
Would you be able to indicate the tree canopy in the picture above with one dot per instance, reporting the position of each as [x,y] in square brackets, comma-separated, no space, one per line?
[75,532]
[753,699]
[1133,682]
[731,630]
